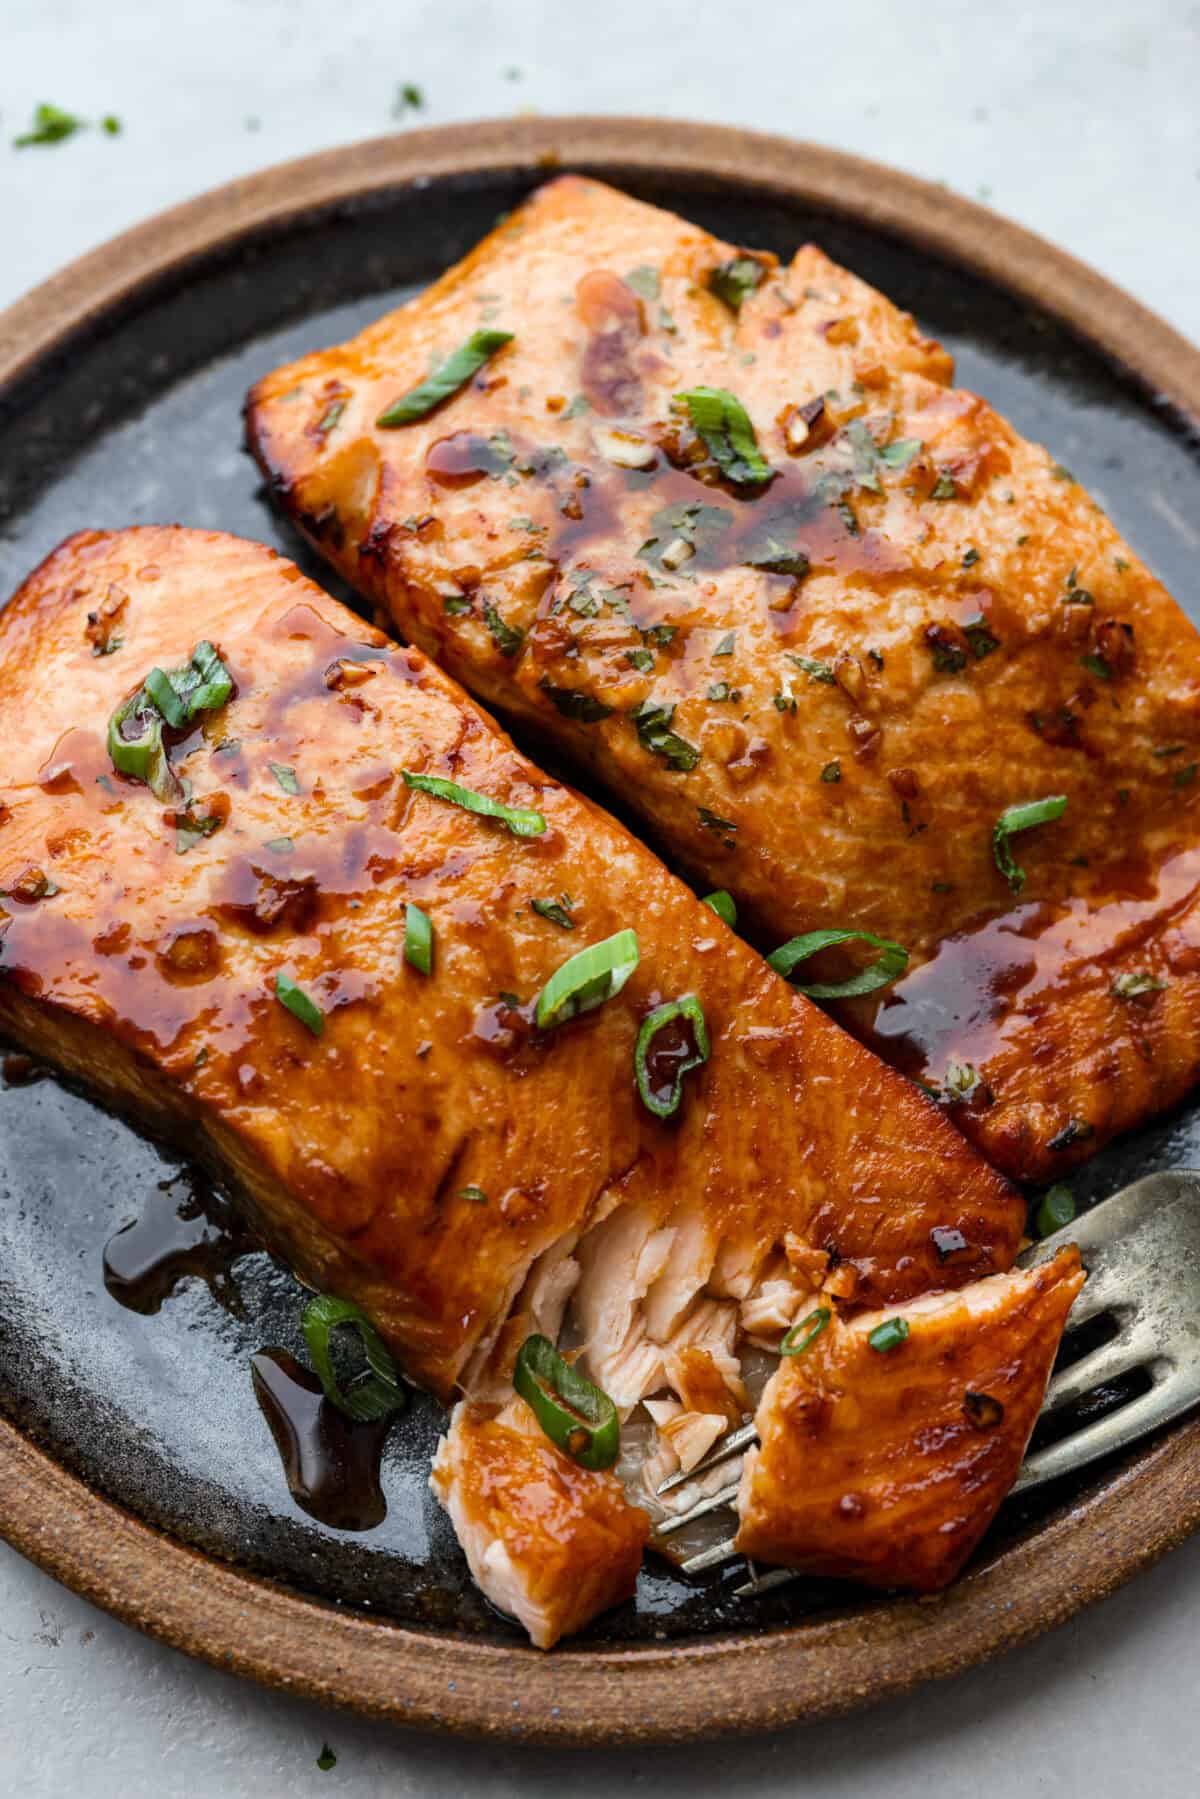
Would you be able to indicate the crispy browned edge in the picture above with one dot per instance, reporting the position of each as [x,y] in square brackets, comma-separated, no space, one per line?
[649,1693]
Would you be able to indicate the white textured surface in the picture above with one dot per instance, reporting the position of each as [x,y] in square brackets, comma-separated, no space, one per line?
[1079,121]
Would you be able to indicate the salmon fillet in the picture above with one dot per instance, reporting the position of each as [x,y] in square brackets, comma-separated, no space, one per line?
[823,689]
[410,1140]
[886,1465]
[548,1542]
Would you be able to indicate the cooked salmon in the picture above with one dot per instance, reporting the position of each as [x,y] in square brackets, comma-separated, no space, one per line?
[887,1445]
[219,946]
[548,1542]
[725,533]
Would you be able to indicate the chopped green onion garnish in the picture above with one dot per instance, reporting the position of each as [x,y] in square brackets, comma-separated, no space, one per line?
[724,424]
[299,1004]
[578,1418]
[521,823]
[889,1335]
[889,967]
[285,776]
[587,979]
[1056,1210]
[1022,818]
[723,905]
[734,281]
[681,1058]
[802,1336]
[445,378]
[204,685]
[557,911]
[135,744]
[475,1195]
[381,1391]
[418,939]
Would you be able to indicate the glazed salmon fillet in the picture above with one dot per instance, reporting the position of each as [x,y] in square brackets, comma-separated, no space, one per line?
[223,946]
[725,533]
[884,1455]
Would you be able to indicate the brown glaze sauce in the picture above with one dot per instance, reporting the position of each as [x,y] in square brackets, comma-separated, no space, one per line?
[331,1463]
[182,1231]
[462,459]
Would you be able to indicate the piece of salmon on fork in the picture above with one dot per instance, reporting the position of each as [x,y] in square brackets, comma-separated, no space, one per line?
[470,1056]
[849,645]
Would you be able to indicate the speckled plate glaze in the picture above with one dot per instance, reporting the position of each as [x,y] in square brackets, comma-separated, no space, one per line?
[134,1462]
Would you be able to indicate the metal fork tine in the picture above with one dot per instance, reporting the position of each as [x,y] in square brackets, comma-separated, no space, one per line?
[726,1446]
[709,1558]
[1113,1431]
[1128,1350]
[701,1509]
[762,1583]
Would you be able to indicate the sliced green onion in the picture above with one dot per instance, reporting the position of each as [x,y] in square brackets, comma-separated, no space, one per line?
[378,1393]
[587,979]
[1055,1211]
[889,1335]
[688,1007]
[579,1418]
[734,281]
[1022,818]
[521,823]
[723,905]
[889,966]
[445,378]
[286,777]
[299,1004]
[724,424]
[135,744]
[203,685]
[418,939]
[557,911]
[802,1336]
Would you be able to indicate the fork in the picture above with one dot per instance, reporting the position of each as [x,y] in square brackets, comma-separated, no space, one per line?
[1141,1249]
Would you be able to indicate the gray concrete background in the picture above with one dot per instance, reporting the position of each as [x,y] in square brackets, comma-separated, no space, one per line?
[1081,122]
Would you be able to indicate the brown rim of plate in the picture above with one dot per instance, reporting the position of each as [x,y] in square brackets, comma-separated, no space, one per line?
[741,1680]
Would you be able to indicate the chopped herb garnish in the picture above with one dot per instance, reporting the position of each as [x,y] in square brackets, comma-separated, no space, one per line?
[644,280]
[376,1393]
[660,634]
[1055,1211]
[1022,818]
[816,671]
[327,1759]
[980,639]
[803,1335]
[473,1195]
[508,641]
[409,94]
[653,725]
[418,939]
[281,846]
[51,125]
[519,820]
[727,644]
[900,453]
[889,1335]
[285,776]
[1075,1130]
[888,967]
[1096,665]
[557,911]
[203,685]
[734,281]
[572,702]
[721,690]
[454,603]
[724,424]
[588,978]
[775,558]
[579,1418]
[445,379]
[832,771]
[1183,777]
[1133,985]
[722,903]
[299,1004]
[330,417]
[970,557]
[663,1100]
[192,828]
[944,488]
[1060,473]
[642,660]
[721,827]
